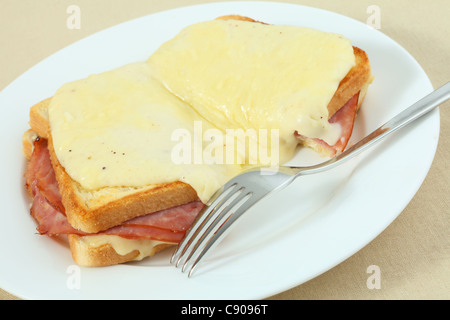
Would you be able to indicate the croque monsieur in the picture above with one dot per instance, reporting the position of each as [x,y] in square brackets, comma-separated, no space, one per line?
[100,151]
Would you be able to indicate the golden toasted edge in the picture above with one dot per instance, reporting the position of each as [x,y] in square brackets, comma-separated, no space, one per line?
[104,255]
[238,17]
[39,118]
[357,79]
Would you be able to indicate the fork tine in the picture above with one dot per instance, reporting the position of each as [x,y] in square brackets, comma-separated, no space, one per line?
[196,238]
[211,236]
[205,230]
[204,219]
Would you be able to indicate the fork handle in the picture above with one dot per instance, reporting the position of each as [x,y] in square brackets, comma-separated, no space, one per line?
[404,118]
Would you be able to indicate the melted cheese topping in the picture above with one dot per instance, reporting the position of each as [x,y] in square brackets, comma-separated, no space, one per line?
[240,74]
[116,128]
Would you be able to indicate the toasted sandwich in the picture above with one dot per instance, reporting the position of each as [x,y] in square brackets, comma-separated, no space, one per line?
[100,151]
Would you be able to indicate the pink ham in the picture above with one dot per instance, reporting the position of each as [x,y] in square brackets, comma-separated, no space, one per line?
[145,232]
[345,116]
[167,225]
[40,174]
[50,220]
[177,218]
[154,226]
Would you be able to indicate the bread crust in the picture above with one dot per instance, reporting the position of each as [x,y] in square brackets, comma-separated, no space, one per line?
[105,255]
[357,79]
[39,121]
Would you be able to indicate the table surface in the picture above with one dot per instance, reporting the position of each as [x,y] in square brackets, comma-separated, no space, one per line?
[413,253]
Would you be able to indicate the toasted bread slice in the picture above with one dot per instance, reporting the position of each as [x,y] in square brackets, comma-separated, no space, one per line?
[88,253]
[98,210]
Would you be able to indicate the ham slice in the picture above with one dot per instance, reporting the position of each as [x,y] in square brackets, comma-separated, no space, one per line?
[167,225]
[345,116]
[41,176]
[154,226]
[50,220]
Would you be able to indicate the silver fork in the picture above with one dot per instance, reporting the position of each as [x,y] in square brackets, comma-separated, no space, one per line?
[242,192]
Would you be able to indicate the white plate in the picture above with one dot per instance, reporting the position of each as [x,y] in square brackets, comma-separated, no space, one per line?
[294,236]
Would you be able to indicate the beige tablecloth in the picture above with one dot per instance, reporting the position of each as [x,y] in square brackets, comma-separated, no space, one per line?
[413,253]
